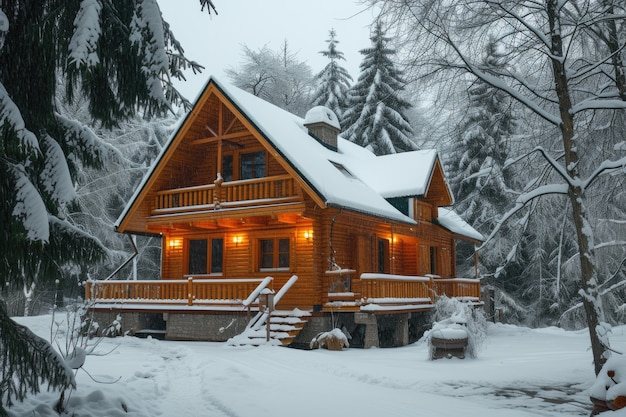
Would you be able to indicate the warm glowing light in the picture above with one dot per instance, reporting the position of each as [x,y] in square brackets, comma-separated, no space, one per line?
[175,243]
[237,240]
[308,234]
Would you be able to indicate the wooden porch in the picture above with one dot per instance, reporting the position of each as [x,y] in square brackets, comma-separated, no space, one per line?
[380,293]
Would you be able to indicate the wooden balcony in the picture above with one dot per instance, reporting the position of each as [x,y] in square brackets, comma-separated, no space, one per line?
[258,191]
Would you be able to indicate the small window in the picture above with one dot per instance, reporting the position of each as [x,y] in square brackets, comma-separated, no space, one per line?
[433,260]
[274,253]
[217,256]
[342,169]
[227,167]
[252,165]
[383,256]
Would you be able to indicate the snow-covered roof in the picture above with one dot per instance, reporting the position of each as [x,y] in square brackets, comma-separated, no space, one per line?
[454,223]
[351,177]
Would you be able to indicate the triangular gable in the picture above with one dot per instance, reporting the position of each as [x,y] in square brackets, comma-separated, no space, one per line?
[214,116]
[284,136]
[438,190]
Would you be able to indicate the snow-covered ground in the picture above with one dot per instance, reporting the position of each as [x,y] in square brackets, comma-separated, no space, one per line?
[519,372]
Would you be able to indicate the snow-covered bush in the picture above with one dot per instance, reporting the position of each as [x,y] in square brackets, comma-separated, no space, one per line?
[454,314]
[609,390]
[332,340]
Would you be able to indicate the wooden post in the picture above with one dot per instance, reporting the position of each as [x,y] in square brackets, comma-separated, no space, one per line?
[190,291]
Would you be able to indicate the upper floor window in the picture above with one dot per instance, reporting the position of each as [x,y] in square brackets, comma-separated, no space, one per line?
[243,166]
[274,253]
[252,165]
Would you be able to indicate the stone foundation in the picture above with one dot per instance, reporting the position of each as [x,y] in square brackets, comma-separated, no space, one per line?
[207,327]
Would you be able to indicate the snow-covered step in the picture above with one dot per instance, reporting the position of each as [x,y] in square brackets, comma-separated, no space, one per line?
[284,327]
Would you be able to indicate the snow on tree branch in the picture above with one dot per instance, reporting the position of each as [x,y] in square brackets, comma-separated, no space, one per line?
[147,32]
[55,177]
[524,199]
[11,117]
[30,208]
[84,43]
[4,27]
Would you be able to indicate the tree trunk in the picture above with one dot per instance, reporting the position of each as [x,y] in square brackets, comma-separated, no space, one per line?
[589,284]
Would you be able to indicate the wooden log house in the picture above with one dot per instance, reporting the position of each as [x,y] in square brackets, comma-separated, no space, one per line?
[247,196]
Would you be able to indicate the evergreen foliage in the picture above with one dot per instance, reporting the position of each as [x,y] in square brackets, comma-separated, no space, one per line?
[334,80]
[374,118]
[477,156]
[120,58]
[26,360]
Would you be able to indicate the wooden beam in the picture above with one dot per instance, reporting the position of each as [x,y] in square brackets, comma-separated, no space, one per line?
[211,139]
[229,223]
[288,218]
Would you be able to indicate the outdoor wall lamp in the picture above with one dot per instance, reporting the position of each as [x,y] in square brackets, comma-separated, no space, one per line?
[175,243]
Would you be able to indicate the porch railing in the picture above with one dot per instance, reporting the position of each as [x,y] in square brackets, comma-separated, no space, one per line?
[466,289]
[190,291]
[230,192]
[378,291]
[396,292]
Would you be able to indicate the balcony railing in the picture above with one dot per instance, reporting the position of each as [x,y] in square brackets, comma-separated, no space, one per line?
[230,193]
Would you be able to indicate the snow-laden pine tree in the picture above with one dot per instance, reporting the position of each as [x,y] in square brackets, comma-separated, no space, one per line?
[333,81]
[478,154]
[374,118]
[120,57]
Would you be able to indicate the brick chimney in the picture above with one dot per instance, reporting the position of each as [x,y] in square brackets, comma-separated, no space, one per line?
[323,125]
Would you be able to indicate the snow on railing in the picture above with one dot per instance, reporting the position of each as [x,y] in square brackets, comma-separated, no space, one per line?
[255,294]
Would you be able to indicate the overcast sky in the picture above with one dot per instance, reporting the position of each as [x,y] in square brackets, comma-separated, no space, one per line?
[216,41]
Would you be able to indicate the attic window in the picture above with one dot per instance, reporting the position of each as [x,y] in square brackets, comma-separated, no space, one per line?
[342,169]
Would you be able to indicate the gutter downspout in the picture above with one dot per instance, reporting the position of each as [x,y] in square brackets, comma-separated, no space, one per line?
[136,252]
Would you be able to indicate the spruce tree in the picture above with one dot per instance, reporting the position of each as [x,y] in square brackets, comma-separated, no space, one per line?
[334,80]
[374,117]
[118,56]
[479,153]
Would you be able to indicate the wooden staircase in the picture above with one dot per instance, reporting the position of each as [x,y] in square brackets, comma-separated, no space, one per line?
[284,326]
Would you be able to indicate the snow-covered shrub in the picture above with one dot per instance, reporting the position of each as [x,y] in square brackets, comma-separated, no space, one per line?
[332,340]
[610,384]
[454,314]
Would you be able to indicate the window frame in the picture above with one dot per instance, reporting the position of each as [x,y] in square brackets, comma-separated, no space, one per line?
[233,160]
[383,255]
[275,253]
[211,265]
